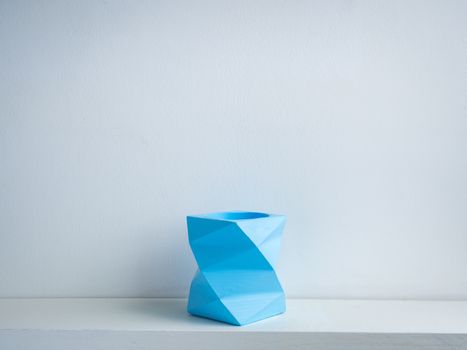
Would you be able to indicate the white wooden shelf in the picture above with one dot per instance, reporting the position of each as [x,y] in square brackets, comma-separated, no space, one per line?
[164,324]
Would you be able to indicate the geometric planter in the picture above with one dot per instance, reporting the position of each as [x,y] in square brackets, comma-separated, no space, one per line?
[236,253]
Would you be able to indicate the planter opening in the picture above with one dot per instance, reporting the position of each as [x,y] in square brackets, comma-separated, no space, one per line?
[237,215]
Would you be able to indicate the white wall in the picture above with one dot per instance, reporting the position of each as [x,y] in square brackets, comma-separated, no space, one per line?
[119,118]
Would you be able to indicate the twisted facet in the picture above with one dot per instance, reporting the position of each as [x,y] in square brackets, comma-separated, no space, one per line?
[236,254]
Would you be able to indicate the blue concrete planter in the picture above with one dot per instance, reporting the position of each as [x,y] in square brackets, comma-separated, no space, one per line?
[236,254]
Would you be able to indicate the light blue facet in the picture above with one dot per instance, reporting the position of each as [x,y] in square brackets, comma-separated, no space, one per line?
[236,254]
